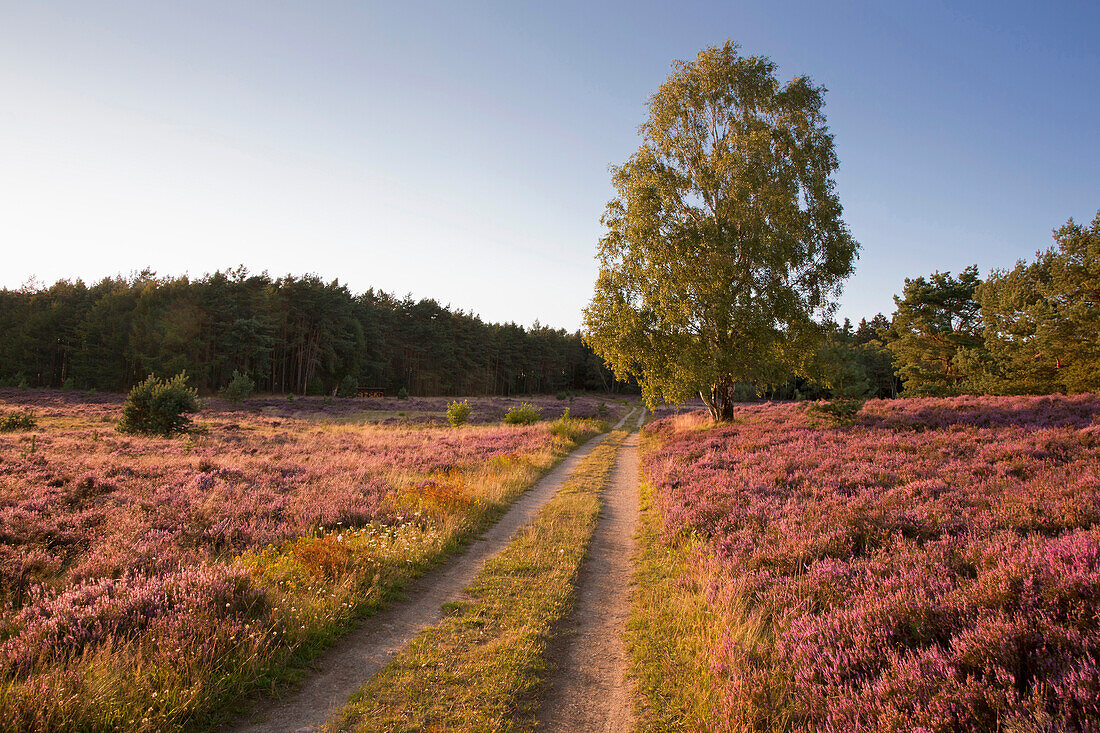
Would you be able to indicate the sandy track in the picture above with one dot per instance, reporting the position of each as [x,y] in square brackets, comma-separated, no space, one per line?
[589,691]
[362,652]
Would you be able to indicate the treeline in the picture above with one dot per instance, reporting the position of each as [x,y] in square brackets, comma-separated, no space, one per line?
[1034,329]
[293,334]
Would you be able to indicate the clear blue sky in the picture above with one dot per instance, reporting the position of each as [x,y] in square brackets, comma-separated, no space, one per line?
[460,150]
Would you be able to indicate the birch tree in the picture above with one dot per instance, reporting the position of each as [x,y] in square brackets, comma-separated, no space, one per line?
[725,239]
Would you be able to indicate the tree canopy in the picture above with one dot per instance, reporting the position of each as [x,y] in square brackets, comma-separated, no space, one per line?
[936,331]
[1042,320]
[725,239]
[1029,330]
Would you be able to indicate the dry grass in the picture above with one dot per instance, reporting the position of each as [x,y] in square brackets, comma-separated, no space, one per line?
[481,667]
[179,656]
[675,624]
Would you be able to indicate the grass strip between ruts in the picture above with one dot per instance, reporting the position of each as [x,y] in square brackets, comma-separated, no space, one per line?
[481,667]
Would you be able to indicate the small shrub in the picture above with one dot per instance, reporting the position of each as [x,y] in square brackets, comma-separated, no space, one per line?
[458,413]
[240,386]
[14,421]
[602,411]
[567,427]
[524,414]
[402,394]
[349,386]
[836,412]
[68,384]
[159,407]
[562,395]
[315,387]
[290,397]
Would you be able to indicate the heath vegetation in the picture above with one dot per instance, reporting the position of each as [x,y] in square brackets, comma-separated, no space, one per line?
[933,565]
[147,583]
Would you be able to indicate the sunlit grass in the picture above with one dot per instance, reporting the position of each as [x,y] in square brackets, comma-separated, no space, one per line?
[480,668]
[177,614]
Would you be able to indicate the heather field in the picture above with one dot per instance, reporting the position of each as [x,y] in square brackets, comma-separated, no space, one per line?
[148,583]
[934,566]
[433,410]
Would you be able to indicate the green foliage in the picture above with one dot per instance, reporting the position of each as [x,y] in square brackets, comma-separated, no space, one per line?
[458,413]
[562,396]
[349,386]
[402,394]
[16,421]
[937,334]
[570,428]
[315,387]
[1042,319]
[851,364]
[602,411]
[285,333]
[17,380]
[159,407]
[725,239]
[523,414]
[841,370]
[240,387]
[836,412]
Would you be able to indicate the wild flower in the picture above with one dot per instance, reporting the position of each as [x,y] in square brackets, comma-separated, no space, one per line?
[214,557]
[934,566]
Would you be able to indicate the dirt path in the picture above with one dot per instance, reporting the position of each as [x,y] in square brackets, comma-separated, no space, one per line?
[362,652]
[589,691]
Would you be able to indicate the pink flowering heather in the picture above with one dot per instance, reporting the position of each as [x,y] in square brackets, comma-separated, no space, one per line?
[935,567]
[111,541]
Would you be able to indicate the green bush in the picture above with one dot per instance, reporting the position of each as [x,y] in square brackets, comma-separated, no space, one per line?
[349,386]
[837,412]
[240,386]
[572,428]
[601,410]
[562,396]
[524,414]
[458,413]
[402,394]
[14,421]
[315,387]
[159,407]
[563,426]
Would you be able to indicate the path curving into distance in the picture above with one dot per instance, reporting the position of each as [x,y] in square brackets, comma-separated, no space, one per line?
[360,653]
[589,690]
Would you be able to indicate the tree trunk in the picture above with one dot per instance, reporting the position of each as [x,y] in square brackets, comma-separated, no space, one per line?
[719,401]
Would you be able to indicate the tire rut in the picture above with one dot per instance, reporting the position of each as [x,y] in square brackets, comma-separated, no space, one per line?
[363,651]
[588,690]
